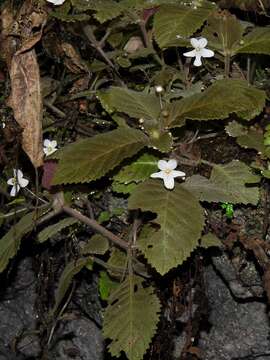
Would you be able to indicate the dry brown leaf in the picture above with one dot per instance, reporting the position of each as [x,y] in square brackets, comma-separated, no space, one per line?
[25,98]
[72,59]
[26,102]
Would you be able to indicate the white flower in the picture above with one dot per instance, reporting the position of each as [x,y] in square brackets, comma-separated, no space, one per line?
[17,182]
[56,2]
[199,50]
[168,173]
[159,88]
[49,146]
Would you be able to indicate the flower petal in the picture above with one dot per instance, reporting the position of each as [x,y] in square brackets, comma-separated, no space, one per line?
[23,182]
[159,175]
[162,164]
[15,189]
[168,182]
[191,53]
[53,143]
[19,175]
[195,42]
[172,164]
[46,151]
[197,61]
[47,142]
[176,173]
[207,53]
[202,42]
[10,181]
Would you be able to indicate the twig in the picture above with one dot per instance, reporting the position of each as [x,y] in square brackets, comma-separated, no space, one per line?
[58,112]
[96,226]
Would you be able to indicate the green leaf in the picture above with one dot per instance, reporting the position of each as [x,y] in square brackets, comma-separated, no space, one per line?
[106,285]
[107,10]
[255,42]
[131,318]
[226,184]
[69,17]
[161,141]
[90,159]
[122,188]
[235,129]
[223,98]
[172,21]
[11,241]
[180,218]
[139,170]
[210,240]
[97,244]
[136,104]
[223,32]
[52,230]
[117,263]
[71,269]
[253,139]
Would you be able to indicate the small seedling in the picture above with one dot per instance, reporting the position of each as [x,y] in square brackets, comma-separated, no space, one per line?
[229,211]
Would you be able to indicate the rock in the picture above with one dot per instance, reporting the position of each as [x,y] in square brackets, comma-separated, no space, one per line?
[239,329]
[82,340]
[240,274]
[17,312]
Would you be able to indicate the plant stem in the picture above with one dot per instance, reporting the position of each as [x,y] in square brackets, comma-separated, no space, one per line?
[227,61]
[96,226]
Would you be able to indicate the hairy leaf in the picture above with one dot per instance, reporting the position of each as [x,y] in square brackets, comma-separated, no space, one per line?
[173,21]
[255,42]
[136,104]
[220,100]
[106,285]
[52,230]
[10,243]
[161,141]
[71,269]
[70,17]
[139,170]
[226,184]
[180,218]
[210,240]
[107,10]
[253,139]
[90,159]
[117,263]
[224,32]
[123,188]
[234,129]
[131,318]
[97,244]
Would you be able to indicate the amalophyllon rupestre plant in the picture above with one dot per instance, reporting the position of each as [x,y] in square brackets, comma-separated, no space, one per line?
[186,56]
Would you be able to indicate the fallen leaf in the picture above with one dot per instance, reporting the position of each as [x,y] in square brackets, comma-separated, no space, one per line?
[26,102]
[20,34]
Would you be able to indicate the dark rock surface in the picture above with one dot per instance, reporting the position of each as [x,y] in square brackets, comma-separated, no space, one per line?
[240,329]
[78,337]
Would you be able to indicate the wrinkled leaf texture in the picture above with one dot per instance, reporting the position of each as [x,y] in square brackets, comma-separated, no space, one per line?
[131,318]
[11,241]
[227,183]
[172,21]
[221,99]
[90,159]
[180,218]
